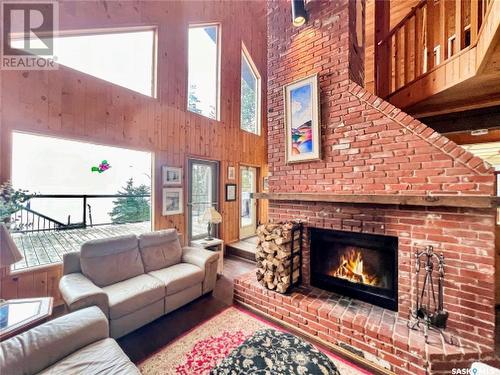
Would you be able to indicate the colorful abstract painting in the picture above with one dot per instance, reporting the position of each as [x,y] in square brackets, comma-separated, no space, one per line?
[302,120]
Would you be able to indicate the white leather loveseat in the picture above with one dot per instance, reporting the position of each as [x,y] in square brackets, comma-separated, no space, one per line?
[134,280]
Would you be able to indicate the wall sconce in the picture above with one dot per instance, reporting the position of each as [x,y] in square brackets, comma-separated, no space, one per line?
[299,14]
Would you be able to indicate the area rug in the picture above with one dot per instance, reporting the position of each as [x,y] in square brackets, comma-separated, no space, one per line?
[238,342]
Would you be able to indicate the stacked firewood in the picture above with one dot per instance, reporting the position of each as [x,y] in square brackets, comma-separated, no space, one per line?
[274,256]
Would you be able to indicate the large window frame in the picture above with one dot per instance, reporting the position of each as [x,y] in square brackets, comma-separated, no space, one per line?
[121,30]
[245,56]
[218,27]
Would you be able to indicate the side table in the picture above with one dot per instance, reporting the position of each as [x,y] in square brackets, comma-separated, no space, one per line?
[19,315]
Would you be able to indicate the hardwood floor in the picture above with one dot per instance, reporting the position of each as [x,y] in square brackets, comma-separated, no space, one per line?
[143,342]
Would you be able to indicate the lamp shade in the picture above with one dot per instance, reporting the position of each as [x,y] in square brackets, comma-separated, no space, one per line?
[211,216]
[9,253]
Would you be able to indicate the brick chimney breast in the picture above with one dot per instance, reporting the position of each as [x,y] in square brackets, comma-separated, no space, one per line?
[371,147]
[368,145]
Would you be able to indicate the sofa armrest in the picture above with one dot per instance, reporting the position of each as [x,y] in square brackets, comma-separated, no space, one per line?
[71,263]
[206,260]
[79,292]
[42,346]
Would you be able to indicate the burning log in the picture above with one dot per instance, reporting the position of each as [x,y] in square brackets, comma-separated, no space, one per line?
[276,268]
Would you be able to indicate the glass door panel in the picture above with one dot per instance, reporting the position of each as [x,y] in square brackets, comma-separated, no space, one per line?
[248,206]
[203,193]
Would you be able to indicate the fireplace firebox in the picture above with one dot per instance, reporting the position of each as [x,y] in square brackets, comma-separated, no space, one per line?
[358,265]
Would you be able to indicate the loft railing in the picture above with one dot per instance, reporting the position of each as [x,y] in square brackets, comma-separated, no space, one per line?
[28,219]
[426,38]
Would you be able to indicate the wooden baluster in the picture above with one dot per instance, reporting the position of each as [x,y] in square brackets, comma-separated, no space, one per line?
[429,35]
[397,60]
[407,62]
[383,56]
[459,28]
[443,49]
[474,21]
[418,38]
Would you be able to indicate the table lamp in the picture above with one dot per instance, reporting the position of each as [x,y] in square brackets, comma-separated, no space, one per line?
[211,217]
[9,253]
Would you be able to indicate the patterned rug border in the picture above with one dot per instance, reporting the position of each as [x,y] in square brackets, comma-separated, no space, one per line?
[241,309]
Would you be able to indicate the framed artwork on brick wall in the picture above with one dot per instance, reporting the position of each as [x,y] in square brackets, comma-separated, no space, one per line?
[302,127]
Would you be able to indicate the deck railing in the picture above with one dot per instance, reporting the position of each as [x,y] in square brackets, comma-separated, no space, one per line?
[425,38]
[28,219]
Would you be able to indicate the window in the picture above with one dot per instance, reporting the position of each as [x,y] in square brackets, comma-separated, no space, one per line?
[125,57]
[203,70]
[250,94]
[120,194]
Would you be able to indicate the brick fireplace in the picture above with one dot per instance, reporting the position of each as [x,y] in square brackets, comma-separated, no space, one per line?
[371,147]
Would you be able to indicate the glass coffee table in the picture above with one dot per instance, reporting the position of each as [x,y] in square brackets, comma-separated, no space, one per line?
[19,315]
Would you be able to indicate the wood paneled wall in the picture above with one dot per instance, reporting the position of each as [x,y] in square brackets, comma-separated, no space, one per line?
[37,282]
[69,104]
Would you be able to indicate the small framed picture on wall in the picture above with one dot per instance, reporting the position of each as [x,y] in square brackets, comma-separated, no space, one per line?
[230,192]
[231,173]
[171,175]
[172,201]
[265,184]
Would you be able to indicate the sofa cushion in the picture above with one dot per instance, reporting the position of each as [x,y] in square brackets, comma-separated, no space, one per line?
[179,277]
[133,294]
[110,260]
[160,249]
[102,357]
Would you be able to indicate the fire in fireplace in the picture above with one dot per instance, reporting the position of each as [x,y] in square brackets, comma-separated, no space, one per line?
[351,268]
[358,265]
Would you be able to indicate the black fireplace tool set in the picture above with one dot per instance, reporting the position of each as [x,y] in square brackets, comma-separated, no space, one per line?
[428,311]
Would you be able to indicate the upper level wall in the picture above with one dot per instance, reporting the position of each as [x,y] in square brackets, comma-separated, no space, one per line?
[70,104]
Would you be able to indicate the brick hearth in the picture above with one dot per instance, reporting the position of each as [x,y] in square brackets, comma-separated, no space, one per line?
[371,147]
[379,335]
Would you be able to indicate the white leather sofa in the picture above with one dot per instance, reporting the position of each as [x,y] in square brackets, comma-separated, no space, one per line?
[135,280]
[77,343]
